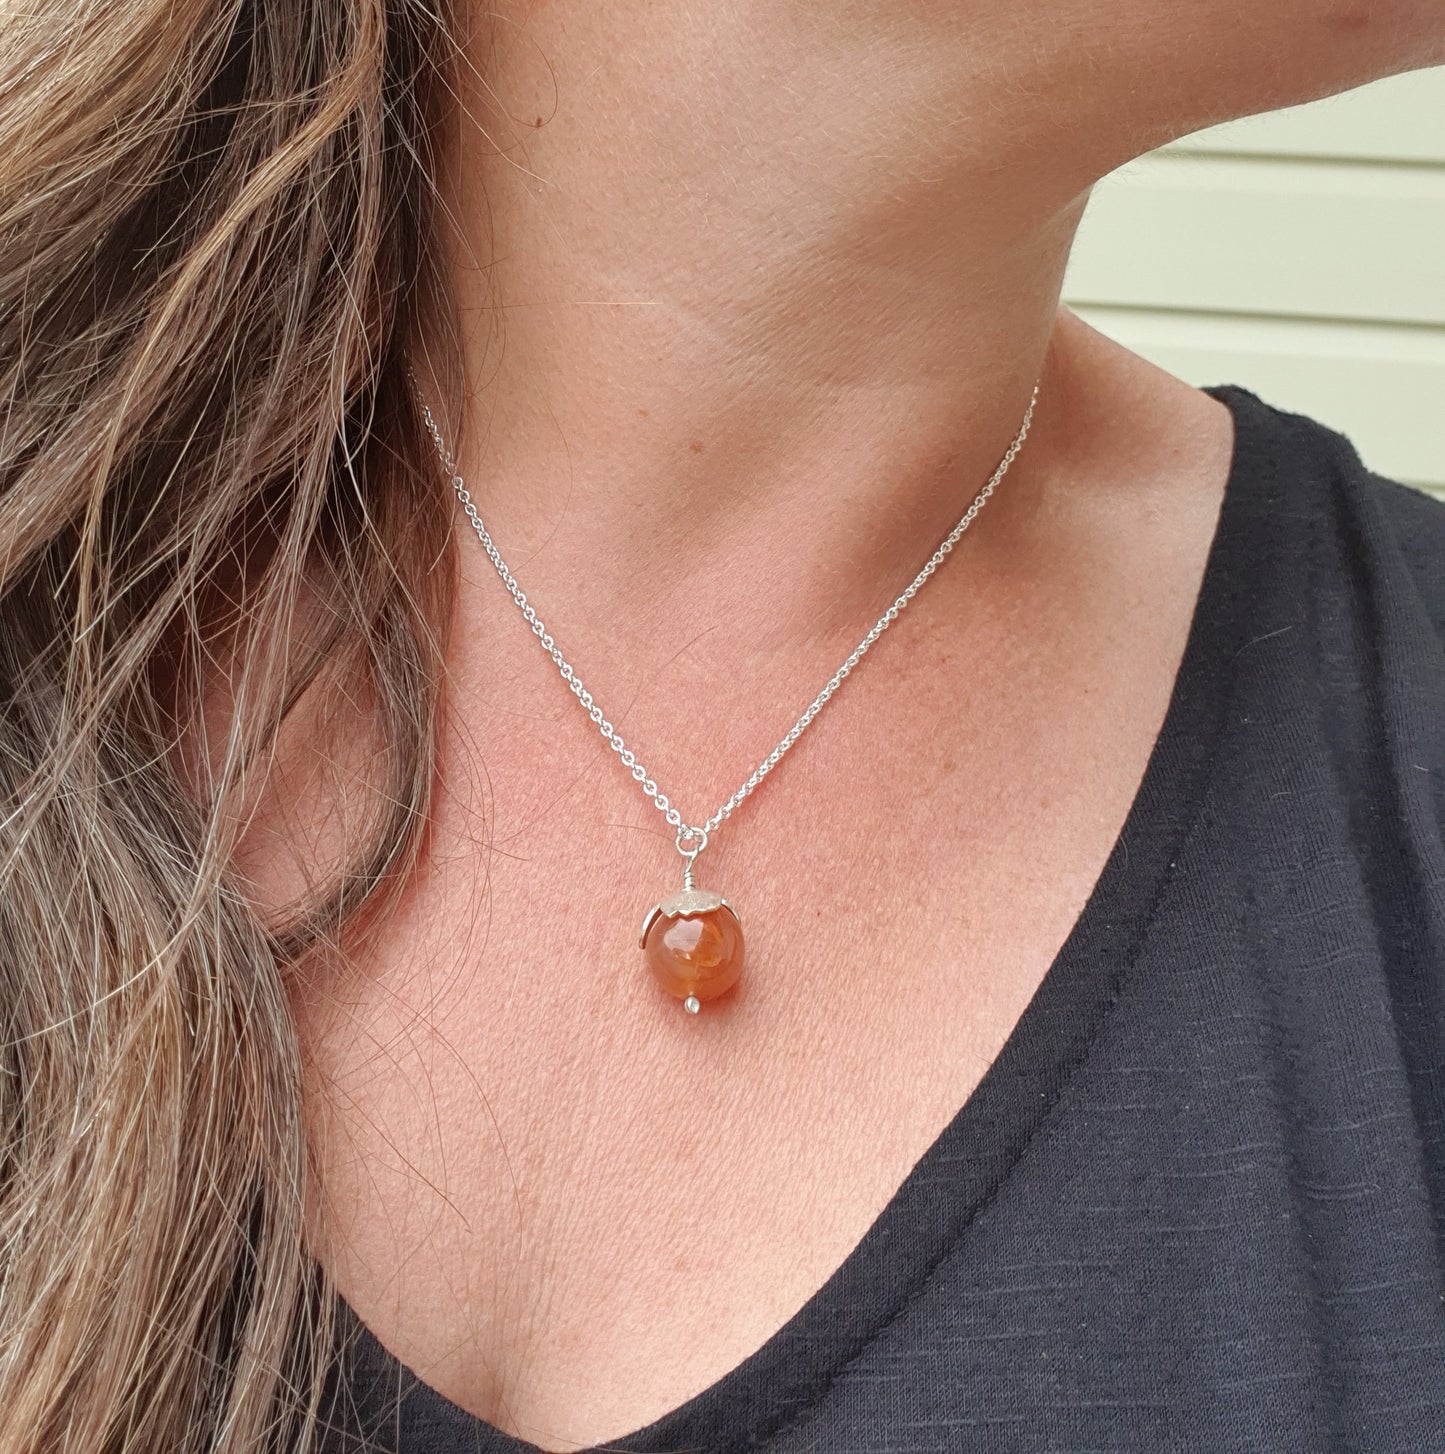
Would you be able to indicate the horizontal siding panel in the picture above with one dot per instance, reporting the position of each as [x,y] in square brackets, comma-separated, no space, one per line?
[1382,387]
[1322,240]
[1400,119]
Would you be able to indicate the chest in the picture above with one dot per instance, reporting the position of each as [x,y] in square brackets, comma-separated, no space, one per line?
[570,1205]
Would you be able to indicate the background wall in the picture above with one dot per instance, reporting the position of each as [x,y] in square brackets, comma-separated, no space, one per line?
[1300,254]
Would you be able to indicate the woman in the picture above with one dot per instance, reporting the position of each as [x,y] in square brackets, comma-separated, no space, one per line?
[1081,1086]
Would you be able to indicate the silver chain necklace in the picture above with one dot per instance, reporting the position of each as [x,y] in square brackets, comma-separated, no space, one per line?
[693,939]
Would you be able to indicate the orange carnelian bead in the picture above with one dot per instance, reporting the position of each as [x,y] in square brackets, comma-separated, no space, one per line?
[700,955]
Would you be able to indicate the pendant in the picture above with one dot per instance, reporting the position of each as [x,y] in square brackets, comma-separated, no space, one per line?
[693,939]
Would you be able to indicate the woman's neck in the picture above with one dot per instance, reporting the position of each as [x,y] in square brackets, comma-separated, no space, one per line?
[756,306]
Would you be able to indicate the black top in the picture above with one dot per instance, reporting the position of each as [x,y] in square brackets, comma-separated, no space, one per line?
[1198,1200]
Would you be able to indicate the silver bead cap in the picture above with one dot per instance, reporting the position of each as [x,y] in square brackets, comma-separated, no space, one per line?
[685,904]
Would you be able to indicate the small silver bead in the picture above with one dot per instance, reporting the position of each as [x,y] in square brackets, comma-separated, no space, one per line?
[692,1004]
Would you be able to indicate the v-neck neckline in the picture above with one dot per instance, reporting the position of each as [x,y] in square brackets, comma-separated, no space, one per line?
[966,1165]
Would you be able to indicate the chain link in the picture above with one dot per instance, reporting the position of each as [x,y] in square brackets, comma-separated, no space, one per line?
[624,753]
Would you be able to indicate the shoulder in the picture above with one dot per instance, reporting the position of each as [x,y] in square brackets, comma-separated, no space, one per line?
[1353,580]
[1385,537]
[1350,565]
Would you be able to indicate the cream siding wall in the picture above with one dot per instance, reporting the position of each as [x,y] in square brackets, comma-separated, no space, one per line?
[1301,254]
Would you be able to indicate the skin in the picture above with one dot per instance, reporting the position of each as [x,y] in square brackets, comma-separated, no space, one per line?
[769,286]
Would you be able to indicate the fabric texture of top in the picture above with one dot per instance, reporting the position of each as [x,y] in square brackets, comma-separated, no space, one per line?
[1197,1202]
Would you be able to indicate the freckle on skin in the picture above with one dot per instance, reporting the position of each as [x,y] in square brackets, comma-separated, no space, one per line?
[696,446]
[642,413]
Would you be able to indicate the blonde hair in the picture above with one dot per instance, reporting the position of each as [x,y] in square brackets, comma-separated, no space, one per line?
[217,222]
